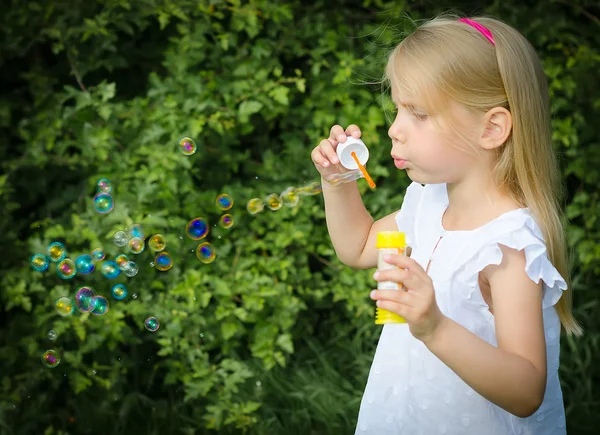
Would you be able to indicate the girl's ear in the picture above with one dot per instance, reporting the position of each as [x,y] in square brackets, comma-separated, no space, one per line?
[498,125]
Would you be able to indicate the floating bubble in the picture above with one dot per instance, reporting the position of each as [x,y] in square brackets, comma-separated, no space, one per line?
[136,230]
[157,242]
[100,305]
[52,335]
[119,292]
[120,238]
[152,324]
[64,306]
[346,177]
[84,264]
[103,185]
[136,245]
[310,189]
[226,221]
[84,299]
[290,197]
[206,252]
[121,260]
[134,296]
[39,262]
[110,269]
[197,229]
[50,358]
[57,251]
[98,254]
[273,201]
[103,203]
[224,201]
[131,269]
[163,261]
[187,146]
[255,205]
[66,269]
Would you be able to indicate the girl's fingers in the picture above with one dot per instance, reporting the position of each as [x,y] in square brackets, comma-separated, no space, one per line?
[337,133]
[397,296]
[353,131]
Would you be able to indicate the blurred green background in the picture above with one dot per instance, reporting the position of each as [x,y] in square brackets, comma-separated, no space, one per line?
[276,336]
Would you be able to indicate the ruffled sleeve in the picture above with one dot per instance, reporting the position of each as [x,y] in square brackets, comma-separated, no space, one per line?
[407,215]
[518,231]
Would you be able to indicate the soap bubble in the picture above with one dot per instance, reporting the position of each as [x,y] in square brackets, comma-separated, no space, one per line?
[120,238]
[103,203]
[98,254]
[206,252]
[255,205]
[52,335]
[197,229]
[100,305]
[136,245]
[187,146]
[84,264]
[163,261]
[50,358]
[224,201]
[290,197]
[57,251]
[84,299]
[136,230]
[157,242]
[226,221]
[131,269]
[66,269]
[103,185]
[40,262]
[273,201]
[152,324]
[64,306]
[121,260]
[110,269]
[119,292]
[310,189]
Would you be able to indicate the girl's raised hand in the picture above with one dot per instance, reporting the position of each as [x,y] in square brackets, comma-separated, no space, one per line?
[324,155]
[416,302]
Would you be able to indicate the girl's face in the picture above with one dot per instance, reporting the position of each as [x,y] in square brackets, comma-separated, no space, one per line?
[430,149]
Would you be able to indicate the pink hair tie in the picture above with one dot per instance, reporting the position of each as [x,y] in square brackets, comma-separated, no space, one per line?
[482,29]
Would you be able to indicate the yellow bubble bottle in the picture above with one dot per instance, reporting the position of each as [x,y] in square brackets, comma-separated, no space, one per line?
[389,242]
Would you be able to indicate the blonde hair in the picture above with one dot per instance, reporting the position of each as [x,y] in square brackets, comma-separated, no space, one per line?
[443,60]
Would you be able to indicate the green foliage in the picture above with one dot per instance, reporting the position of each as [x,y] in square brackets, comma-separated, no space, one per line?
[260,341]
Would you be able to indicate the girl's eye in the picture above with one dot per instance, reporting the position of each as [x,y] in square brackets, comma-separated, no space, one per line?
[420,116]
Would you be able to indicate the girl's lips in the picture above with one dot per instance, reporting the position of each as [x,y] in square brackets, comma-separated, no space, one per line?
[400,163]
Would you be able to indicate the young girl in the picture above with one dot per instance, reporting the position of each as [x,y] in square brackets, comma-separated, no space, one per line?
[486,281]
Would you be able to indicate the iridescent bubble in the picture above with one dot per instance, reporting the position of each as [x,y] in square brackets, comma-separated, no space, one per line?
[39,262]
[226,221]
[84,299]
[52,335]
[64,306]
[136,245]
[273,201]
[206,252]
[100,305]
[152,324]
[121,260]
[163,261]
[131,269]
[157,243]
[66,269]
[134,296]
[224,201]
[120,238]
[110,269]
[187,146]
[290,197]
[98,254]
[197,229]
[103,203]
[310,189]
[85,264]
[136,230]
[119,292]
[50,358]
[103,185]
[57,251]
[255,205]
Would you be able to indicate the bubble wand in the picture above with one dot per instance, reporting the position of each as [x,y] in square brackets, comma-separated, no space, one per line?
[363,170]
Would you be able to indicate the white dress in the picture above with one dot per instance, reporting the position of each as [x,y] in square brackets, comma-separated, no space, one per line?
[409,390]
